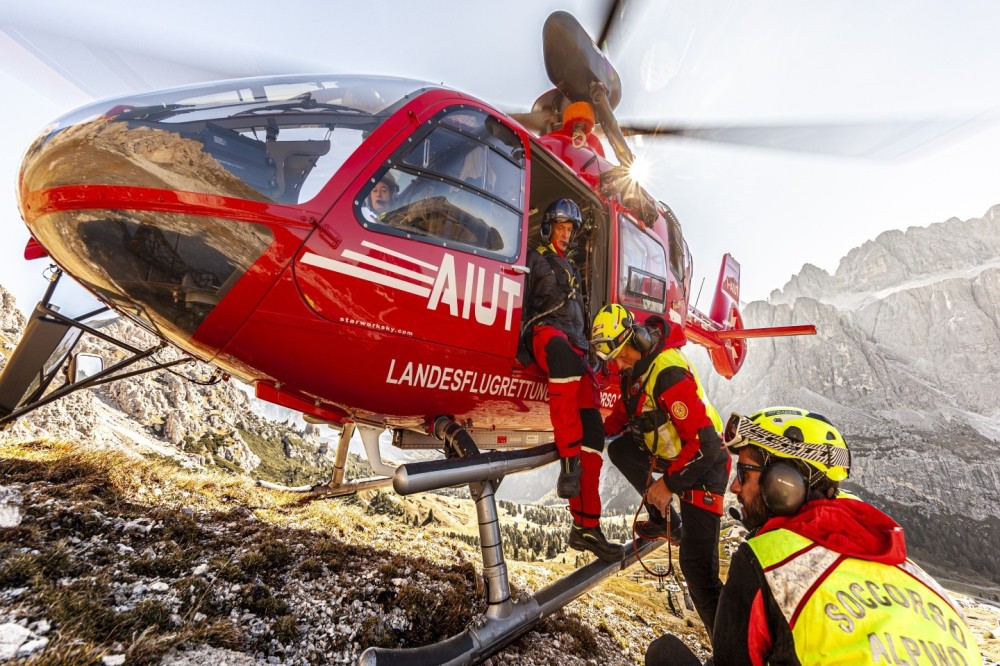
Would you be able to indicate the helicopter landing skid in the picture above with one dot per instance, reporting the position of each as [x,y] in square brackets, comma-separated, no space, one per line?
[505,619]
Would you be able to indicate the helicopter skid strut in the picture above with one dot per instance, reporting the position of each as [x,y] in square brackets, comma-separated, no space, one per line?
[505,619]
[336,486]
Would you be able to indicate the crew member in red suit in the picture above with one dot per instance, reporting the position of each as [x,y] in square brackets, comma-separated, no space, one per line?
[667,427]
[559,345]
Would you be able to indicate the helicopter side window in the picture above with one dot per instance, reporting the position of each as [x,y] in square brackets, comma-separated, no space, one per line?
[680,256]
[643,269]
[459,186]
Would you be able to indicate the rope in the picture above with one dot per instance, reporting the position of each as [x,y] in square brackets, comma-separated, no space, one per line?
[635,535]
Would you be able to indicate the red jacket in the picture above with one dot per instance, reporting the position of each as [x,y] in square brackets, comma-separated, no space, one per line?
[702,462]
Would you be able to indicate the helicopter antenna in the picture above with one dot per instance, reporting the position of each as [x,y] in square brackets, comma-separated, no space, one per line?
[698,297]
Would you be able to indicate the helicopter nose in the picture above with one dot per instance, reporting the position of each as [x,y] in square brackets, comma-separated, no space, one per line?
[109,206]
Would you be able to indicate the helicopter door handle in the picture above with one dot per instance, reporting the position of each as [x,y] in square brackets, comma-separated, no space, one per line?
[516,270]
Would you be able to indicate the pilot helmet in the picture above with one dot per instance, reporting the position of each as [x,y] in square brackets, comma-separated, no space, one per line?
[390,181]
[558,211]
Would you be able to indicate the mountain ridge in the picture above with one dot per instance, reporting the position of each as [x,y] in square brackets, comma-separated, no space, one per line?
[904,363]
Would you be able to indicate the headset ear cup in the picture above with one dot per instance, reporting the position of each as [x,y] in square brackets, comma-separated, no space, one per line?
[642,339]
[783,489]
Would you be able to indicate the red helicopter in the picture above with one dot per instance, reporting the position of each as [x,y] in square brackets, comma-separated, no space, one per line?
[354,248]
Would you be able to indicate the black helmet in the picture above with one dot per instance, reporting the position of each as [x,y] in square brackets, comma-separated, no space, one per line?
[558,211]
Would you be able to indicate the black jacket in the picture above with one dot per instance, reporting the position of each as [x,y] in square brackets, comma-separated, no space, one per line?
[554,282]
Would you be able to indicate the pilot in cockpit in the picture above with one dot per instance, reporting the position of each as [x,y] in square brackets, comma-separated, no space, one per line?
[380,199]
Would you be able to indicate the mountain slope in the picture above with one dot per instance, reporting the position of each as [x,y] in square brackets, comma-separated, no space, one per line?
[105,554]
[906,364]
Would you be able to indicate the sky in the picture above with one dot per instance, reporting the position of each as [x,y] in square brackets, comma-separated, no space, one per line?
[693,62]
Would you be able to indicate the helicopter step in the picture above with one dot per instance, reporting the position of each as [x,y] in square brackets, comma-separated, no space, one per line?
[505,619]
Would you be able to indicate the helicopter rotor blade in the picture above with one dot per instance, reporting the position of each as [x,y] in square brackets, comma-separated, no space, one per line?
[872,140]
[615,15]
[573,62]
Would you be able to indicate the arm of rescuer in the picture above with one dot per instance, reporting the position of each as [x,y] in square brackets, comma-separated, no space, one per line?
[749,626]
[677,395]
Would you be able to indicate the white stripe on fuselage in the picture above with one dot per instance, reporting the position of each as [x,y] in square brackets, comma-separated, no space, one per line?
[386,266]
[398,255]
[364,274]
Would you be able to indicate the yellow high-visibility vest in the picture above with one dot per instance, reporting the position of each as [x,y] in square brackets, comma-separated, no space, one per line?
[845,610]
[664,442]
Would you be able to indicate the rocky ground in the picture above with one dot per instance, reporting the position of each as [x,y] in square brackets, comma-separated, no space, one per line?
[106,558]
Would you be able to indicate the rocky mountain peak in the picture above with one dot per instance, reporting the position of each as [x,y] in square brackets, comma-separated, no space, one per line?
[182,413]
[904,362]
[897,257]
[11,324]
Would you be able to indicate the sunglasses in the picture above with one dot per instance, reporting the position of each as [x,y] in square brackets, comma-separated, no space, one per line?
[742,468]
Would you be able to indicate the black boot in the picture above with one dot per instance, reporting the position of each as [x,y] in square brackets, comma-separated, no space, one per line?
[656,526]
[592,539]
[652,530]
[568,485]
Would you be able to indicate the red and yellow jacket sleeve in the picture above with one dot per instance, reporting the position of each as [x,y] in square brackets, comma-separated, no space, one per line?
[677,395]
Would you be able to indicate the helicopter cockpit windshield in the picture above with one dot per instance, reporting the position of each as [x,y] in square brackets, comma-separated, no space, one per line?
[457,184]
[275,139]
[272,140]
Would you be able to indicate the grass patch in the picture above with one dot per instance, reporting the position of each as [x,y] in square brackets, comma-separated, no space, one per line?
[310,568]
[375,632]
[572,626]
[19,569]
[286,628]
[259,600]
[170,561]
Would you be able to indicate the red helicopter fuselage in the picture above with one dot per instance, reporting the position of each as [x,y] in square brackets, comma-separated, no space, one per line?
[192,213]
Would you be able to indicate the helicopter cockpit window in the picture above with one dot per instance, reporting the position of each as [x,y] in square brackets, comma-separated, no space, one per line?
[273,139]
[459,186]
[643,269]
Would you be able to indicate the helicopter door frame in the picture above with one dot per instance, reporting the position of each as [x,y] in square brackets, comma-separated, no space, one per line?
[549,179]
[451,236]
